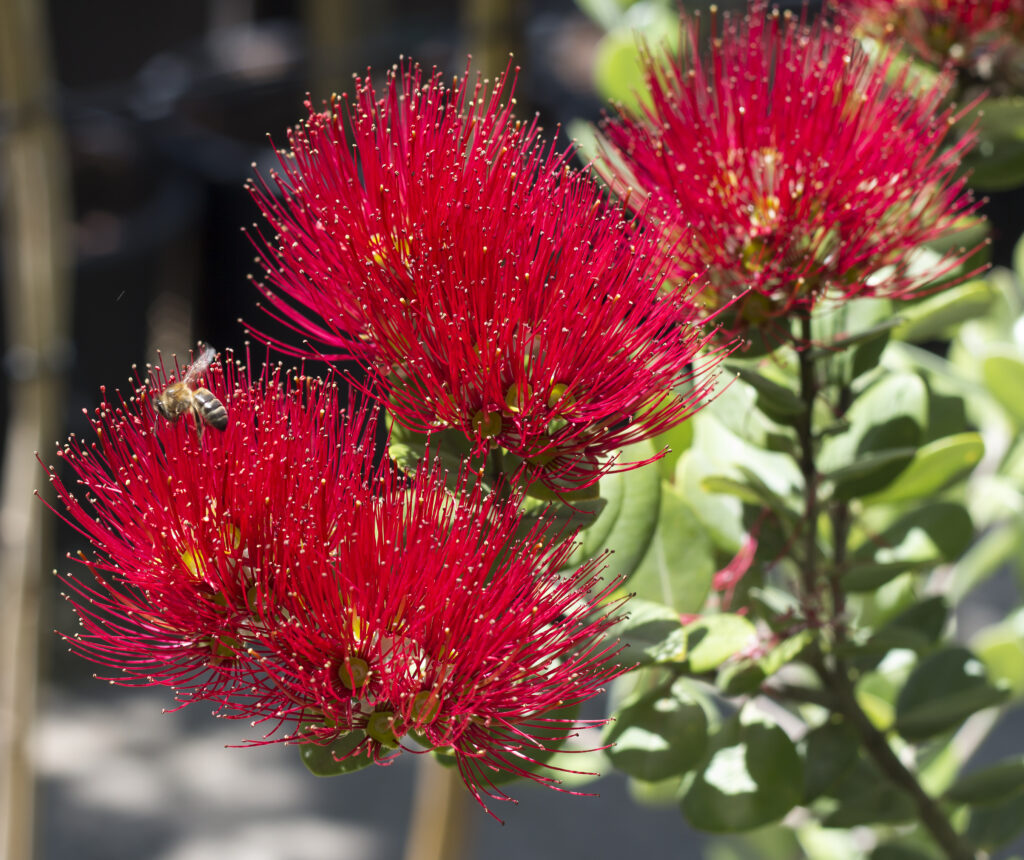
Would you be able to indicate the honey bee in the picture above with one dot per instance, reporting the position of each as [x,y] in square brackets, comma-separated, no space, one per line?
[181,397]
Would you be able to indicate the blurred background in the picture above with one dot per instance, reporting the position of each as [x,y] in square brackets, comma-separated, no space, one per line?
[127,130]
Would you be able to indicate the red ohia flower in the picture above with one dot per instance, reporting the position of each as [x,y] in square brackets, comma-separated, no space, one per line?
[276,571]
[970,34]
[432,624]
[184,525]
[796,166]
[491,288]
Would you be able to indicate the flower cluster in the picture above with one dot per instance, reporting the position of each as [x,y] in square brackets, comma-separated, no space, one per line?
[278,571]
[793,165]
[981,38]
[493,289]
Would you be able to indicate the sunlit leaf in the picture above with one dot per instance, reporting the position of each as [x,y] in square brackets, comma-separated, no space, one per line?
[932,316]
[713,639]
[679,565]
[751,777]
[660,734]
[935,465]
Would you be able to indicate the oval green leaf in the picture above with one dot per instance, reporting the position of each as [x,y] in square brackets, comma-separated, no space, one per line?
[943,690]
[753,776]
[713,639]
[933,467]
[990,784]
[1003,374]
[678,566]
[323,760]
[659,735]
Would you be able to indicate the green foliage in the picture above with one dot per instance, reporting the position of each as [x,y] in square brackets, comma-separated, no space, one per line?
[943,690]
[677,568]
[991,784]
[886,423]
[995,824]
[935,315]
[933,467]
[997,162]
[865,796]
[334,759]
[830,751]
[652,632]
[629,519]
[659,734]
[713,639]
[751,776]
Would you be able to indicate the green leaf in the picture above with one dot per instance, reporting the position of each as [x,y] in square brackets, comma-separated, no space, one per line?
[653,634]
[677,440]
[870,575]
[917,628]
[627,523]
[1003,375]
[618,73]
[997,162]
[947,412]
[931,533]
[943,690]
[751,777]
[829,753]
[996,824]
[866,797]
[934,466]
[982,560]
[990,784]
[899,852]
[720,485]
[1001,648]
[887,423]
[662,733]
[1018,258]
[744,676]
[408,448]
[606,13]
[717,450]
[679,565]
[930,317]
[777,401]
[876,694]
[713,639]
[323,760]
[853,336]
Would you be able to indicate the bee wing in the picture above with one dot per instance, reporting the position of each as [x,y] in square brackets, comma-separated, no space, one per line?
[199,366]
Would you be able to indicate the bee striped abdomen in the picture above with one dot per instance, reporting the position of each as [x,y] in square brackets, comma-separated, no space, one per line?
[210,409]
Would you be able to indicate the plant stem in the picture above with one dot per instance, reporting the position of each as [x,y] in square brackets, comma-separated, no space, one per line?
[808,469]
[836,677]
[840,534]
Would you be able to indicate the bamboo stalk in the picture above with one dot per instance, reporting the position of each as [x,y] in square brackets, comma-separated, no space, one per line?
[37,308]
[441,802]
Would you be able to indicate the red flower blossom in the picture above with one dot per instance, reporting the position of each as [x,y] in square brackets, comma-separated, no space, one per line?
[965,33]
[181,524]
[432,623]
[492,288]
[796,166]
[276,571]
